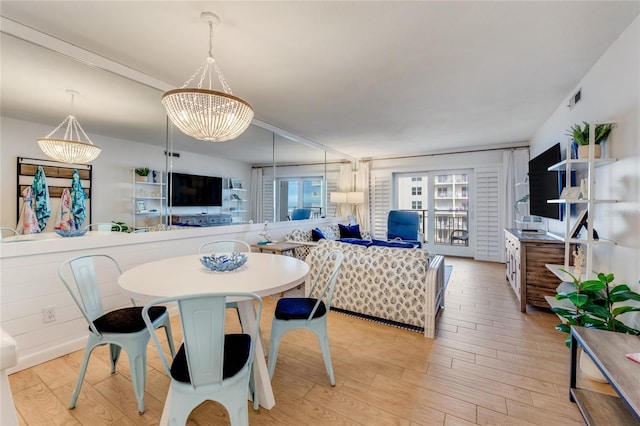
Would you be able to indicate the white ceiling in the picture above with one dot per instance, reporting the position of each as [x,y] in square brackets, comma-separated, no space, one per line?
[366,78]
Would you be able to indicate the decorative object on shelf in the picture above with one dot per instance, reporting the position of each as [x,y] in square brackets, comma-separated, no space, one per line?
[266,238]
[224,262]
[71,232]
[236,197]
[236,184]
[154,176]
[584,189]
[141,207]
[142,174]
[578,261]
[206,114]
[570,193]
[67,149]
[581,136]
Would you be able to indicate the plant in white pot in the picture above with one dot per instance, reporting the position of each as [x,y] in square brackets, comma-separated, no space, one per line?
[580,136]
[596,304]
[142,173]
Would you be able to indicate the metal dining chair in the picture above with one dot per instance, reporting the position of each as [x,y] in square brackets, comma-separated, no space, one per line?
[209,365]
[224,246]
[121,328]
[308,313]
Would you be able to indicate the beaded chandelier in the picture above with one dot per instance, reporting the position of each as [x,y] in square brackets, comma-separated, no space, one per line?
[207,114]
[67,149]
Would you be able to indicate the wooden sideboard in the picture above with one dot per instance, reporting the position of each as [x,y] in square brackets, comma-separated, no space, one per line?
[527,255]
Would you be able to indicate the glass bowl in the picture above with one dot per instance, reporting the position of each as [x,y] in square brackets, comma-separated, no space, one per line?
[71,232]
[224,262]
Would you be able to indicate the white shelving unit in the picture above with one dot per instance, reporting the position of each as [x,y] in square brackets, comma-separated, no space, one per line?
[235,201]
[587,167]
[151,195]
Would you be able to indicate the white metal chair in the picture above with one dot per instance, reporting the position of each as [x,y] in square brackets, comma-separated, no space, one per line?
[122,328]
[224,246]
[4,229]
[308,313]
[104,227]
[210,365]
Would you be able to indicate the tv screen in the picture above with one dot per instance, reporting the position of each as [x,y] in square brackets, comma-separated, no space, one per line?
[194,190]
[545,185]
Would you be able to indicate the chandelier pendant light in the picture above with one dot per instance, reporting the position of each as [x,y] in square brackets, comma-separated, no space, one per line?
[70,148]
[203,113]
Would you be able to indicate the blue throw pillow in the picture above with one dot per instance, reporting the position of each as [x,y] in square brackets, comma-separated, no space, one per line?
[397,244]
[317,235]
[352,231]
[357,241]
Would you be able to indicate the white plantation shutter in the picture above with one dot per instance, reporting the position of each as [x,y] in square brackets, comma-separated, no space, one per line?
[488,214]
[380,201]
[267,199]
[332,186]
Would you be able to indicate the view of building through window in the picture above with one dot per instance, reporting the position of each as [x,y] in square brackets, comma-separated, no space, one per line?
[448,208]
[300,192]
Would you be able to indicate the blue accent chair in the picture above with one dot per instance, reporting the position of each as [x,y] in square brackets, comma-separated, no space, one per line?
[404,225]
[301,214]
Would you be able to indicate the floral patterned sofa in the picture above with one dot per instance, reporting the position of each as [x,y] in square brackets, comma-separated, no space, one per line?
[399,285]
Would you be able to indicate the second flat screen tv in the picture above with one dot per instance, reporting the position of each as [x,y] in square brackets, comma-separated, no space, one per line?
[545,185]
[194,190]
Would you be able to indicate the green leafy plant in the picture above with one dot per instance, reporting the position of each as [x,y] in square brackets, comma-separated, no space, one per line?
[581,134]
[593,305]
[123,226]
[143,171]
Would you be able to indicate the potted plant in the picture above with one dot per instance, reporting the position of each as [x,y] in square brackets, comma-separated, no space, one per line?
[580,136]
[595,304]
[142,173]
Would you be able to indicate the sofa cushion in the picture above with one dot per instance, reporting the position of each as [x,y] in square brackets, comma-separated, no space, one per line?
[349,231]
[357,241]
[397,244]
[317,234]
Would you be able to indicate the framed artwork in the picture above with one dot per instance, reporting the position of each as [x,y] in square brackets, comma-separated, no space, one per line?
[141,207]
[581,221]
[570,193]
[236,184]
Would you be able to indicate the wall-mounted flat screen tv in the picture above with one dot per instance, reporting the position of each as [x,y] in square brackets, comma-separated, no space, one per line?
[194,190]
[545,185]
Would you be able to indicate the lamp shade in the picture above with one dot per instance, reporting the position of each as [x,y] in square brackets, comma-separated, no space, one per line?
[355,197]
[338,197]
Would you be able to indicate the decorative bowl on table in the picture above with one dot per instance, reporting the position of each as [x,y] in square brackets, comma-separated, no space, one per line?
[224,262]
[71,232]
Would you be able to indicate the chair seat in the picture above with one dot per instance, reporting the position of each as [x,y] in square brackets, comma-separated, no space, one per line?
[289,308]
[126,320]
[236,353]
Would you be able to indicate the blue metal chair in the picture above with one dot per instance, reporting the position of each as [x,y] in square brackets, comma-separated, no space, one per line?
[121,329]
[405,226]
[210,365]
[301,214]
[308,313]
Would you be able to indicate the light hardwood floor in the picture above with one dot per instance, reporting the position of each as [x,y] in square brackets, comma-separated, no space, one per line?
[489,364]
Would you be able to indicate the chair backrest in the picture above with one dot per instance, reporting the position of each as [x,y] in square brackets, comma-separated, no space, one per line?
[104,227]
[4,229]
[224,246]
[301,214]
[326,277]
[403,224]
[202,319]
[85,288]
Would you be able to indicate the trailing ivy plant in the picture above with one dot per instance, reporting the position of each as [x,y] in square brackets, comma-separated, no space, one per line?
[593,305]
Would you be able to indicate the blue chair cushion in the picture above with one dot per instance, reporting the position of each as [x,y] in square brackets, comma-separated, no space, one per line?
[236,353]
[398,244]
[403,224]
[126,320]
[289,308]
[350,231]
[317,235]
[357,241]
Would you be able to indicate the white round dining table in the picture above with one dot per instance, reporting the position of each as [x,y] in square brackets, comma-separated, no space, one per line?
[263,274]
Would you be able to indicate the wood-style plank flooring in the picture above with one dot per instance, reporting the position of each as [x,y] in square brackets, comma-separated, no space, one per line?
[489,365]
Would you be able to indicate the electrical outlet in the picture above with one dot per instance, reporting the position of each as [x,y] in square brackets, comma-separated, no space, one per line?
[49,313]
